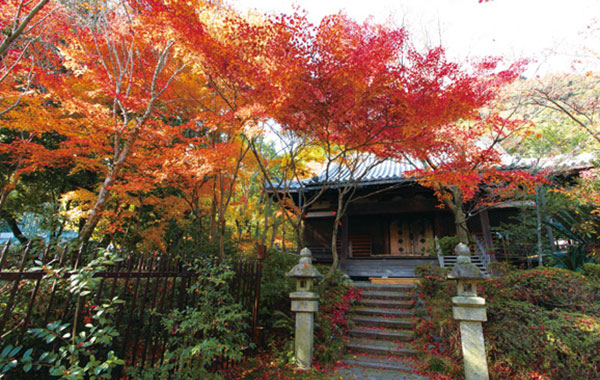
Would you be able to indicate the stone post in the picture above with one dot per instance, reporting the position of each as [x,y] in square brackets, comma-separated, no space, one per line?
[469,310]
[305,304]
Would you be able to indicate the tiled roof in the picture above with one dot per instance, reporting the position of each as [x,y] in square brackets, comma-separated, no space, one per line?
[391,171]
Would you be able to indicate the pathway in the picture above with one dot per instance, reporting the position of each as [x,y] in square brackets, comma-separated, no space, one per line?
[380,346]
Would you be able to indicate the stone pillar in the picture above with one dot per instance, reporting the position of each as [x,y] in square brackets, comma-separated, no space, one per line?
[469,310]
[305,304]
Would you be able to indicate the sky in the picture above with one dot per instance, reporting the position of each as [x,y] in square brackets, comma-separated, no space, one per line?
[552,33]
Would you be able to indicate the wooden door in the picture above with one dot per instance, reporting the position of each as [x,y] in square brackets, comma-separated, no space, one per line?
[410,236]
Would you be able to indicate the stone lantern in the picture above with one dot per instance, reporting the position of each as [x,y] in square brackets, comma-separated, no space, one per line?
[305,304]
[469,310]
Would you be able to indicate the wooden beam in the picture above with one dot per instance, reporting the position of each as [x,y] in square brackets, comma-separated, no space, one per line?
[414,205]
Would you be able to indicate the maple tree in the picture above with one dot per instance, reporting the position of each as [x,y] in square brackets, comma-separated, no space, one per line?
[23,25]
[468,173]
[169,119]
[363,88]
[29,29]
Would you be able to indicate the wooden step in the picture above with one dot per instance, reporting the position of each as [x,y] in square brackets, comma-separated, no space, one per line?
[394,280]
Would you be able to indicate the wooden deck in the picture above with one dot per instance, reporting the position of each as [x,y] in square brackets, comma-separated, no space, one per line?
[392,267]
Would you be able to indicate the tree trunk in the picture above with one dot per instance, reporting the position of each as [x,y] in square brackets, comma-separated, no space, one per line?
[283,249]
[460,221]
[460,217]
[222,238]
[14,227]
[338,217]
[273,232]
[92,221]
[4,195]
[212,224]
[334,254]
[538,215]
[263,237]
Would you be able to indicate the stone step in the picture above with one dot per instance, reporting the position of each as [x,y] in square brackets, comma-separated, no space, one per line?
[380,347]
[382,334]
[373,311]
[474,259]
[387,295]
[379,362]
[357,372]
[394,323]
[367,286]
[387,303]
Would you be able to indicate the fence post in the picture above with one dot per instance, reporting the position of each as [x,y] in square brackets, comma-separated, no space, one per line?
[260,256]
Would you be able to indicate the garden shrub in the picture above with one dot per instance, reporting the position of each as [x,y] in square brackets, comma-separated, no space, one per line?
[447,245]
[523,339]
[592,271]
[437,332]
[63,348]
[542,324]
[199,336]
[433,279]
[500,268]
[335,305]
[331,322]
[548,288]
[275,286]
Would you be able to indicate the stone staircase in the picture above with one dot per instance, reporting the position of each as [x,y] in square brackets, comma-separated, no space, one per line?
[382,331]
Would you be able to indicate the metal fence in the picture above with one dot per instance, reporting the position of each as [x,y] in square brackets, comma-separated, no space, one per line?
[149,285]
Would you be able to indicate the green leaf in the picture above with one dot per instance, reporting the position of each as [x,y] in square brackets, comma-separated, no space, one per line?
[27,353]
[15,351]
[6,351]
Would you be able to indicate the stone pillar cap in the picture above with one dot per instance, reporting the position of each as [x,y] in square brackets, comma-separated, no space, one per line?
[462,249]
[465,270]
[304,269]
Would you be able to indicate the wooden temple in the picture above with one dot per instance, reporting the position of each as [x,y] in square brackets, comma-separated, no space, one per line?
[388,233]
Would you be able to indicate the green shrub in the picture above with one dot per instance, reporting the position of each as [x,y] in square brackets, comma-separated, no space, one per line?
[500,268]
[275,286]
[67,349]
[523,339]
[447,245]
[591,270]
[198,336]
[549,288]
[331,322]
[542,324]
[433,280]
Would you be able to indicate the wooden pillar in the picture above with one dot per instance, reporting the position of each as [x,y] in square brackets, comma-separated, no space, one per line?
[437,225]
[345,244]
[487,231]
